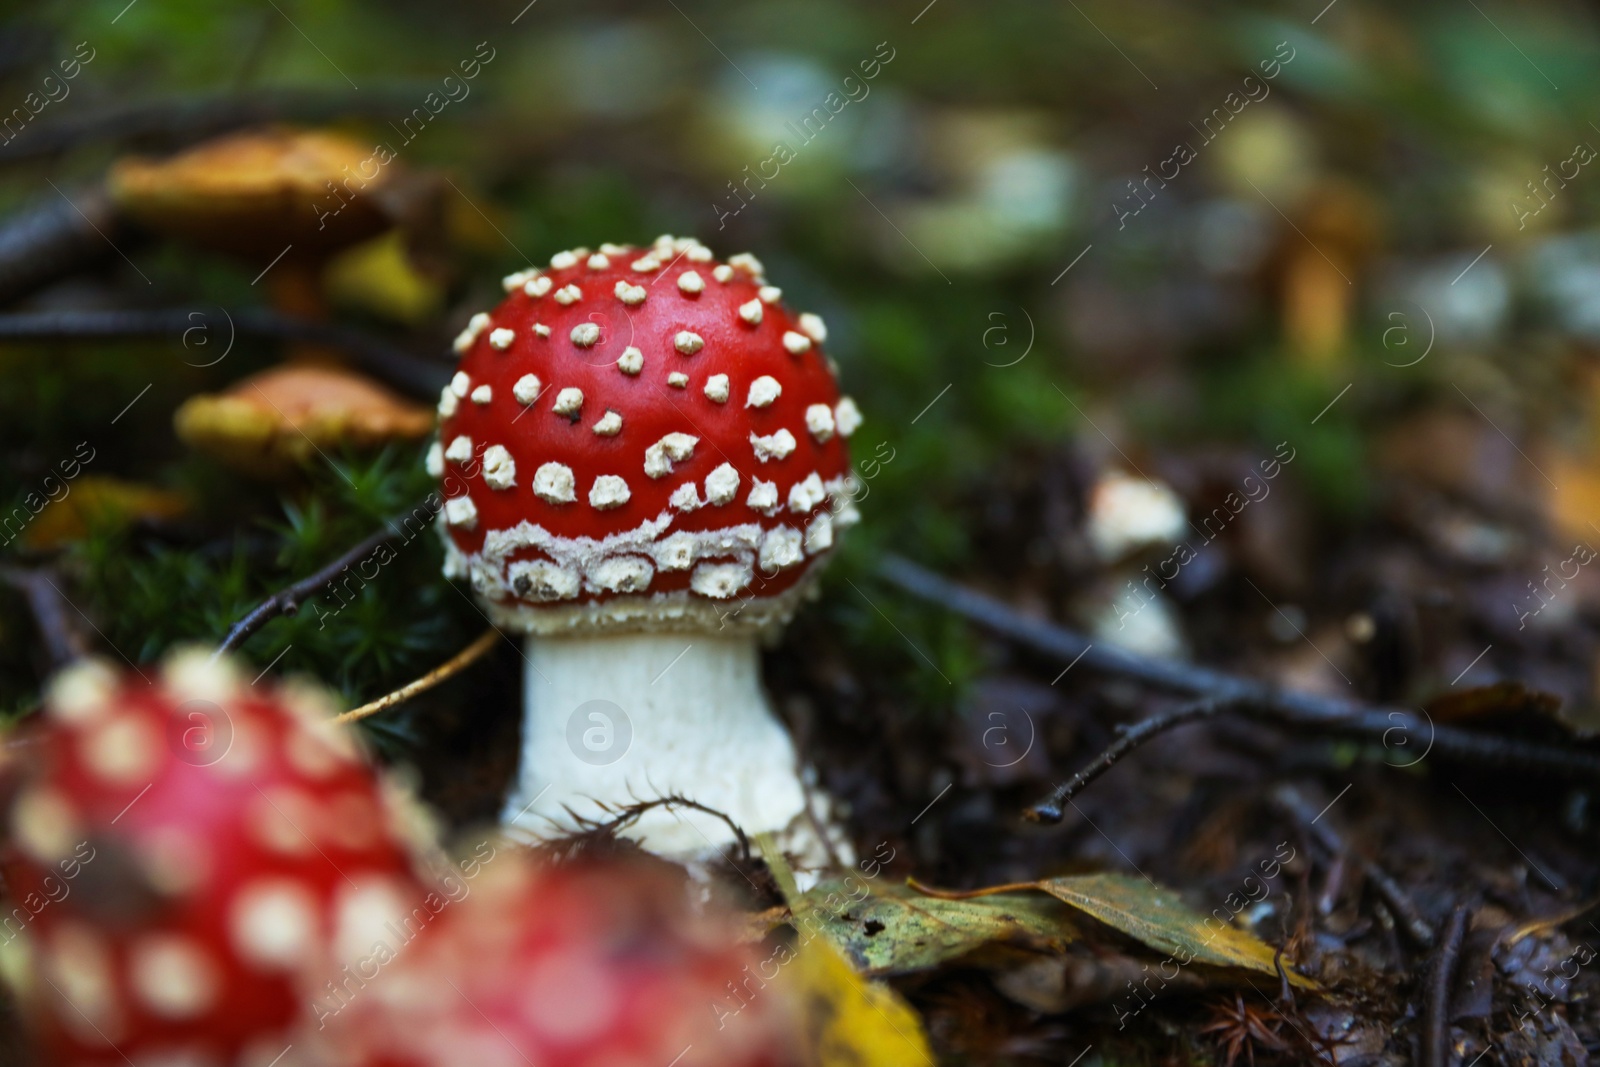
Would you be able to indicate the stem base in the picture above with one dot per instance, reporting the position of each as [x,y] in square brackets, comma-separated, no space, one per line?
[616,719]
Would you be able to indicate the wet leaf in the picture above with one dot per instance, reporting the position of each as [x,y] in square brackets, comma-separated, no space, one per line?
[896,930]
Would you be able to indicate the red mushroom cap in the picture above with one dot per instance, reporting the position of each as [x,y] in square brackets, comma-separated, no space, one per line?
[187,859]
[642,438]
[588,965]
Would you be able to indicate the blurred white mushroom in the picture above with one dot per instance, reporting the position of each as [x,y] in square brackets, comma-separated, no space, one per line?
[1008,190]
[1465,303]
[1128,513]
[1140,621]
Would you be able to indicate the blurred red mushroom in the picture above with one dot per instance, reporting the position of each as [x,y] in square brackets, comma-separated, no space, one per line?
[594,964]
[185,857]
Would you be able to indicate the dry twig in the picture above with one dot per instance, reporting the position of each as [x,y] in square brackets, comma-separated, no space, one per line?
[1286,706]
[288,600]
[1441,978]
[52,239]
[410,373]
[179,120]
[62,640]
[1289,801]
[446,670]
[1132,736]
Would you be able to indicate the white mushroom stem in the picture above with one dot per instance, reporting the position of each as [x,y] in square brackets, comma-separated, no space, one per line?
[619,719]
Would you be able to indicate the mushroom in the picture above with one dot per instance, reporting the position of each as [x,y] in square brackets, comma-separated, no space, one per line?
[643,461]
[584,965]
[1127,514]
[259,194]
[187,854]
[1127,518]
[284,201]
[284,416]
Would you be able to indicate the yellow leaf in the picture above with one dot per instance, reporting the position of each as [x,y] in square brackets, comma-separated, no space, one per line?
[1155,916]
[849,1021]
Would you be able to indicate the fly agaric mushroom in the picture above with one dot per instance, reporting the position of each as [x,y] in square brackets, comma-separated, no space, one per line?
[586,965]
[643,460]
[284,416]
[186,858]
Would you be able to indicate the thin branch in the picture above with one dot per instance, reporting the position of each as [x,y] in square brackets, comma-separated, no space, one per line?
[288,600]
[412,374]
[53,238]
[1289,801]
[446,670]
[1049,809]
[62,640]
[1441,979]
[1304,710]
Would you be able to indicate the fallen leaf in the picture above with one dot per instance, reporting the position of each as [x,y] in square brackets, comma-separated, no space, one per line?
[1546,924]
[848,1020]
[895,930]
[98,501]
[1152,915]
[1572,509]
[1057,984]
[1513,709]
[1155,916]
